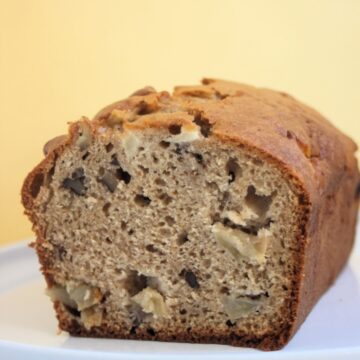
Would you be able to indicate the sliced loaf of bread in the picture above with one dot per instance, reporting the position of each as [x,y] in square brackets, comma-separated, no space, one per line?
[217,214]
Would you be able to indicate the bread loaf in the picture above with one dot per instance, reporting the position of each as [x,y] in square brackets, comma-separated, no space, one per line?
[218,214]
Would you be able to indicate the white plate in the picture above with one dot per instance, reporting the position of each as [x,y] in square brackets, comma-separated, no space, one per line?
[28,328]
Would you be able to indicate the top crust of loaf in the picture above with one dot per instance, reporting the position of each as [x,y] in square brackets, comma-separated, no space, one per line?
[301,141]
[307,145]
[316,157]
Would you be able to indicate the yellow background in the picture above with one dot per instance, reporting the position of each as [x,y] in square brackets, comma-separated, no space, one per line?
[63,59]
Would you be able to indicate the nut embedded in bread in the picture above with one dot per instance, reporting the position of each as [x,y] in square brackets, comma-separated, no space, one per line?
[217,214]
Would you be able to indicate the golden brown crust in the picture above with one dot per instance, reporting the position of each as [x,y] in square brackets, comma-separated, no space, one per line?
[316,157]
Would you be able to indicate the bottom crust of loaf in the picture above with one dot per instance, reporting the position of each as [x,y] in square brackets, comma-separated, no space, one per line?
[266,342]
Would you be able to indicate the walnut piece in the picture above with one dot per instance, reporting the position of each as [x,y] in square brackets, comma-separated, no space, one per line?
[151,301]
[91,317]
[108,179]
[195,91]
[131,144]
[187,134]
[242,245]
[84,136]
[118,117]
[240,218]
[59,293]
[237,307]
[79,297]
[84,295]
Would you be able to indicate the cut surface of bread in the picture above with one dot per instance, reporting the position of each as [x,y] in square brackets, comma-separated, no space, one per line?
[211,215]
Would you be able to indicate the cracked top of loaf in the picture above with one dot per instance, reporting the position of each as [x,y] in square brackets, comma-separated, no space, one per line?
[276,124]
